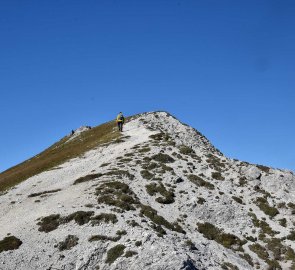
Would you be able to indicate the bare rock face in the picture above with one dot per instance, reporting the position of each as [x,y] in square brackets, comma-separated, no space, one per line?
[158,196]
[252,173]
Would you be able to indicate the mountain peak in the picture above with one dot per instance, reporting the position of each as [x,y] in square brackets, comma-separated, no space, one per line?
[157,196]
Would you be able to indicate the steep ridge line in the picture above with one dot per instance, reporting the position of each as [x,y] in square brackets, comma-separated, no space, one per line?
[159,197]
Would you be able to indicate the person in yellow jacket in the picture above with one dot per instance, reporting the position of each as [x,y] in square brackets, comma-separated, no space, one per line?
[120,121]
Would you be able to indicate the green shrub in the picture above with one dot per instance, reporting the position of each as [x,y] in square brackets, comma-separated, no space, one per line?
[10,243]
[215,162]
[163,158]
[49,223]
[201,200]
[260,251]
[163,168]
[157,137]
[292,206]
[104,217]
[198,181]
[123,232]
[264,226]
[114,253]
[168,196]
[152,214]
[120,174]
[133,223]
[217,176]
[226,239]
[146,174]
[190,245]
[237,199]
[291,236]
[243,181]
[266,208]
[80,217]
[104,238]
[185,150]
[281,205]
[68,243]
[88,177]
[117,194]
[263,168]
[283,222]
[138,243]
[44,192]
[144,150]
[247,257]
[130,253]
[229,266]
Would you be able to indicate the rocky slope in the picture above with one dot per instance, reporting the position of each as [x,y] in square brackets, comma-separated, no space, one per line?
[158,197]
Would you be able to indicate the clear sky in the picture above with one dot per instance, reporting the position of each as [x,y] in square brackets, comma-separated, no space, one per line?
[226,68]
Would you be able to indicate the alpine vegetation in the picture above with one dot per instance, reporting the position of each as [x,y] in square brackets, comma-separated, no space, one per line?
[153,195]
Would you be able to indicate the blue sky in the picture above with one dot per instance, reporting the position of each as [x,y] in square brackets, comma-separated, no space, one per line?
[226,68]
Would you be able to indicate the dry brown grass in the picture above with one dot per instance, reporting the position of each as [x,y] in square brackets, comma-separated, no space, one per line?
[58,154]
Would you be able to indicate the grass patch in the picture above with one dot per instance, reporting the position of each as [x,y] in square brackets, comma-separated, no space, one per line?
[117,194]
[160,137]
[198,181]
[242,181]
[152,214]
[262,203]
[138,243]
[263,168]
[264,226]
[215,162]
[217,176]
[283,222]
[146,174]
[163,158]
[292,207]
[229,266]
[190,245]
[144,150]
[10,243]
[59,153]
[50,223]
[104,238]
[237,199]
[185,150]
[121,174]
[201,200]
[247,258]
[130,253]
[43,193]
[291,236]
[104,217]
[86,178]
[114,253]
[226,239]
[279,251]
[168,196]
[260,251]
[80,217]
[68,243]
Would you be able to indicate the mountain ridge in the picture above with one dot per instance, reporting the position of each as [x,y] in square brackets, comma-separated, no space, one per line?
[160,196]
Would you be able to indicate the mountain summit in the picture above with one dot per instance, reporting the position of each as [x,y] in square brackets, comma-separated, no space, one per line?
[157,196]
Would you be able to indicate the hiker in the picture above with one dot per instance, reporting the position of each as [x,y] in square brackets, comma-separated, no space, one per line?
[120,121]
